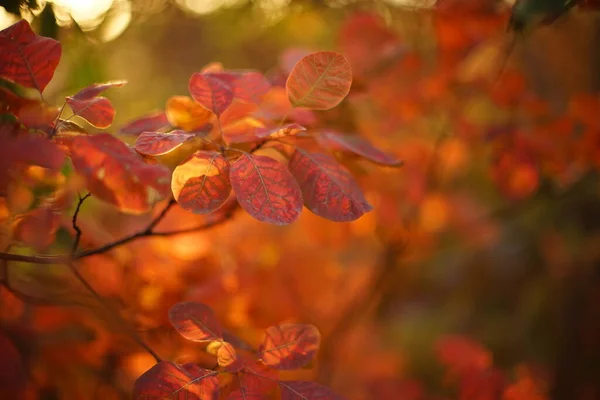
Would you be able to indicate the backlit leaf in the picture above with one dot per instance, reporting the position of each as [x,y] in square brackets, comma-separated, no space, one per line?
[158,143]
[167,380]
[211,92]
[306,390]
[266,189]
[201,184]
[151,122]
[195,321]
[319,81]
[289,346]
[98,111]
[117,174]
[329,190]
[357,145]
[97,88]
[183,112]
[28,59]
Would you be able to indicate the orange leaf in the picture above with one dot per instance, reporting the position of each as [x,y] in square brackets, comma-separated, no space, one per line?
[195,321]
[319,81]
[289,346]
[182,112]
[212,92]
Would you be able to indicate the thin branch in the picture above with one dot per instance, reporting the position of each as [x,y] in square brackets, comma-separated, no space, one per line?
[132,333]
[74,223]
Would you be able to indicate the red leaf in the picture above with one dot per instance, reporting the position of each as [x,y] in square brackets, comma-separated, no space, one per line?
[117,174]
[32,113]
[201,184]
[319,81]
[329,190]
[151,122]
[28,59]
[158,143]
[266,189]
[357,145]
[98,111]
[13,376]
[195,321]
[211,92]
[289,346]
[94,90]
[251,387]
[251,87]
[306,390]
[167,380]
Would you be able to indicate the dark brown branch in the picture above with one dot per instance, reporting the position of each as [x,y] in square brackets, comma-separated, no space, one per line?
[74,223]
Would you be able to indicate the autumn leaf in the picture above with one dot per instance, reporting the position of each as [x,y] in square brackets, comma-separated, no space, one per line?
[289,346]
[158,143]
[195,321]
[96,89]
[183,112]
[319,81]
[251,87]
[32,113]
[226,355]
[212,92]
[251,387]
[28,59]
[356,145]
[117,174]
[250,130]
[329,190]
[167,380]
[98,111]
[151,122]
[201,184]
[266,189]
[306,390]
[37,228]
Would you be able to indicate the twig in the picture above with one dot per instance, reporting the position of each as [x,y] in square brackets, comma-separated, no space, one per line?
[133,334]
[74,223]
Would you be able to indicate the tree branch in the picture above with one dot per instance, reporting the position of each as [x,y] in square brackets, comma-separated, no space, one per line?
[74,223]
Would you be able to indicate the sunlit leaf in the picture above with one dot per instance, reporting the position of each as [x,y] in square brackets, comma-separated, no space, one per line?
[319,81]
[266,189]
[158,143]
[329,190]
[289,346]
[201,184]
[183,112]
[151,122]
[28,59]
[98,111]
[95,89]
[357,145]
[250,129]
[117,174]
[211,92]
[306,390]
[195,321]
[167,380]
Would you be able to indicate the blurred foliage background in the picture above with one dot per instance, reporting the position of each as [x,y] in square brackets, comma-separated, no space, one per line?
[490,231]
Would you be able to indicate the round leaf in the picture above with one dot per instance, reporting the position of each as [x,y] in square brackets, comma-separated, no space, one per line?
[195,321]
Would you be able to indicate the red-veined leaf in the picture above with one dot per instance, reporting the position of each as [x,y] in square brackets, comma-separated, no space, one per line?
[116,174]
[195,321]
[183,112]
[251,87]
[211,92]
[167,380]
[329,190]
[306,390]
[266,189]
[201,184]
[251,387]
[98,111]
[319,81]
[95,89]
[158,143]
[28,59]
[289,346]
[154,121]
[357,145]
